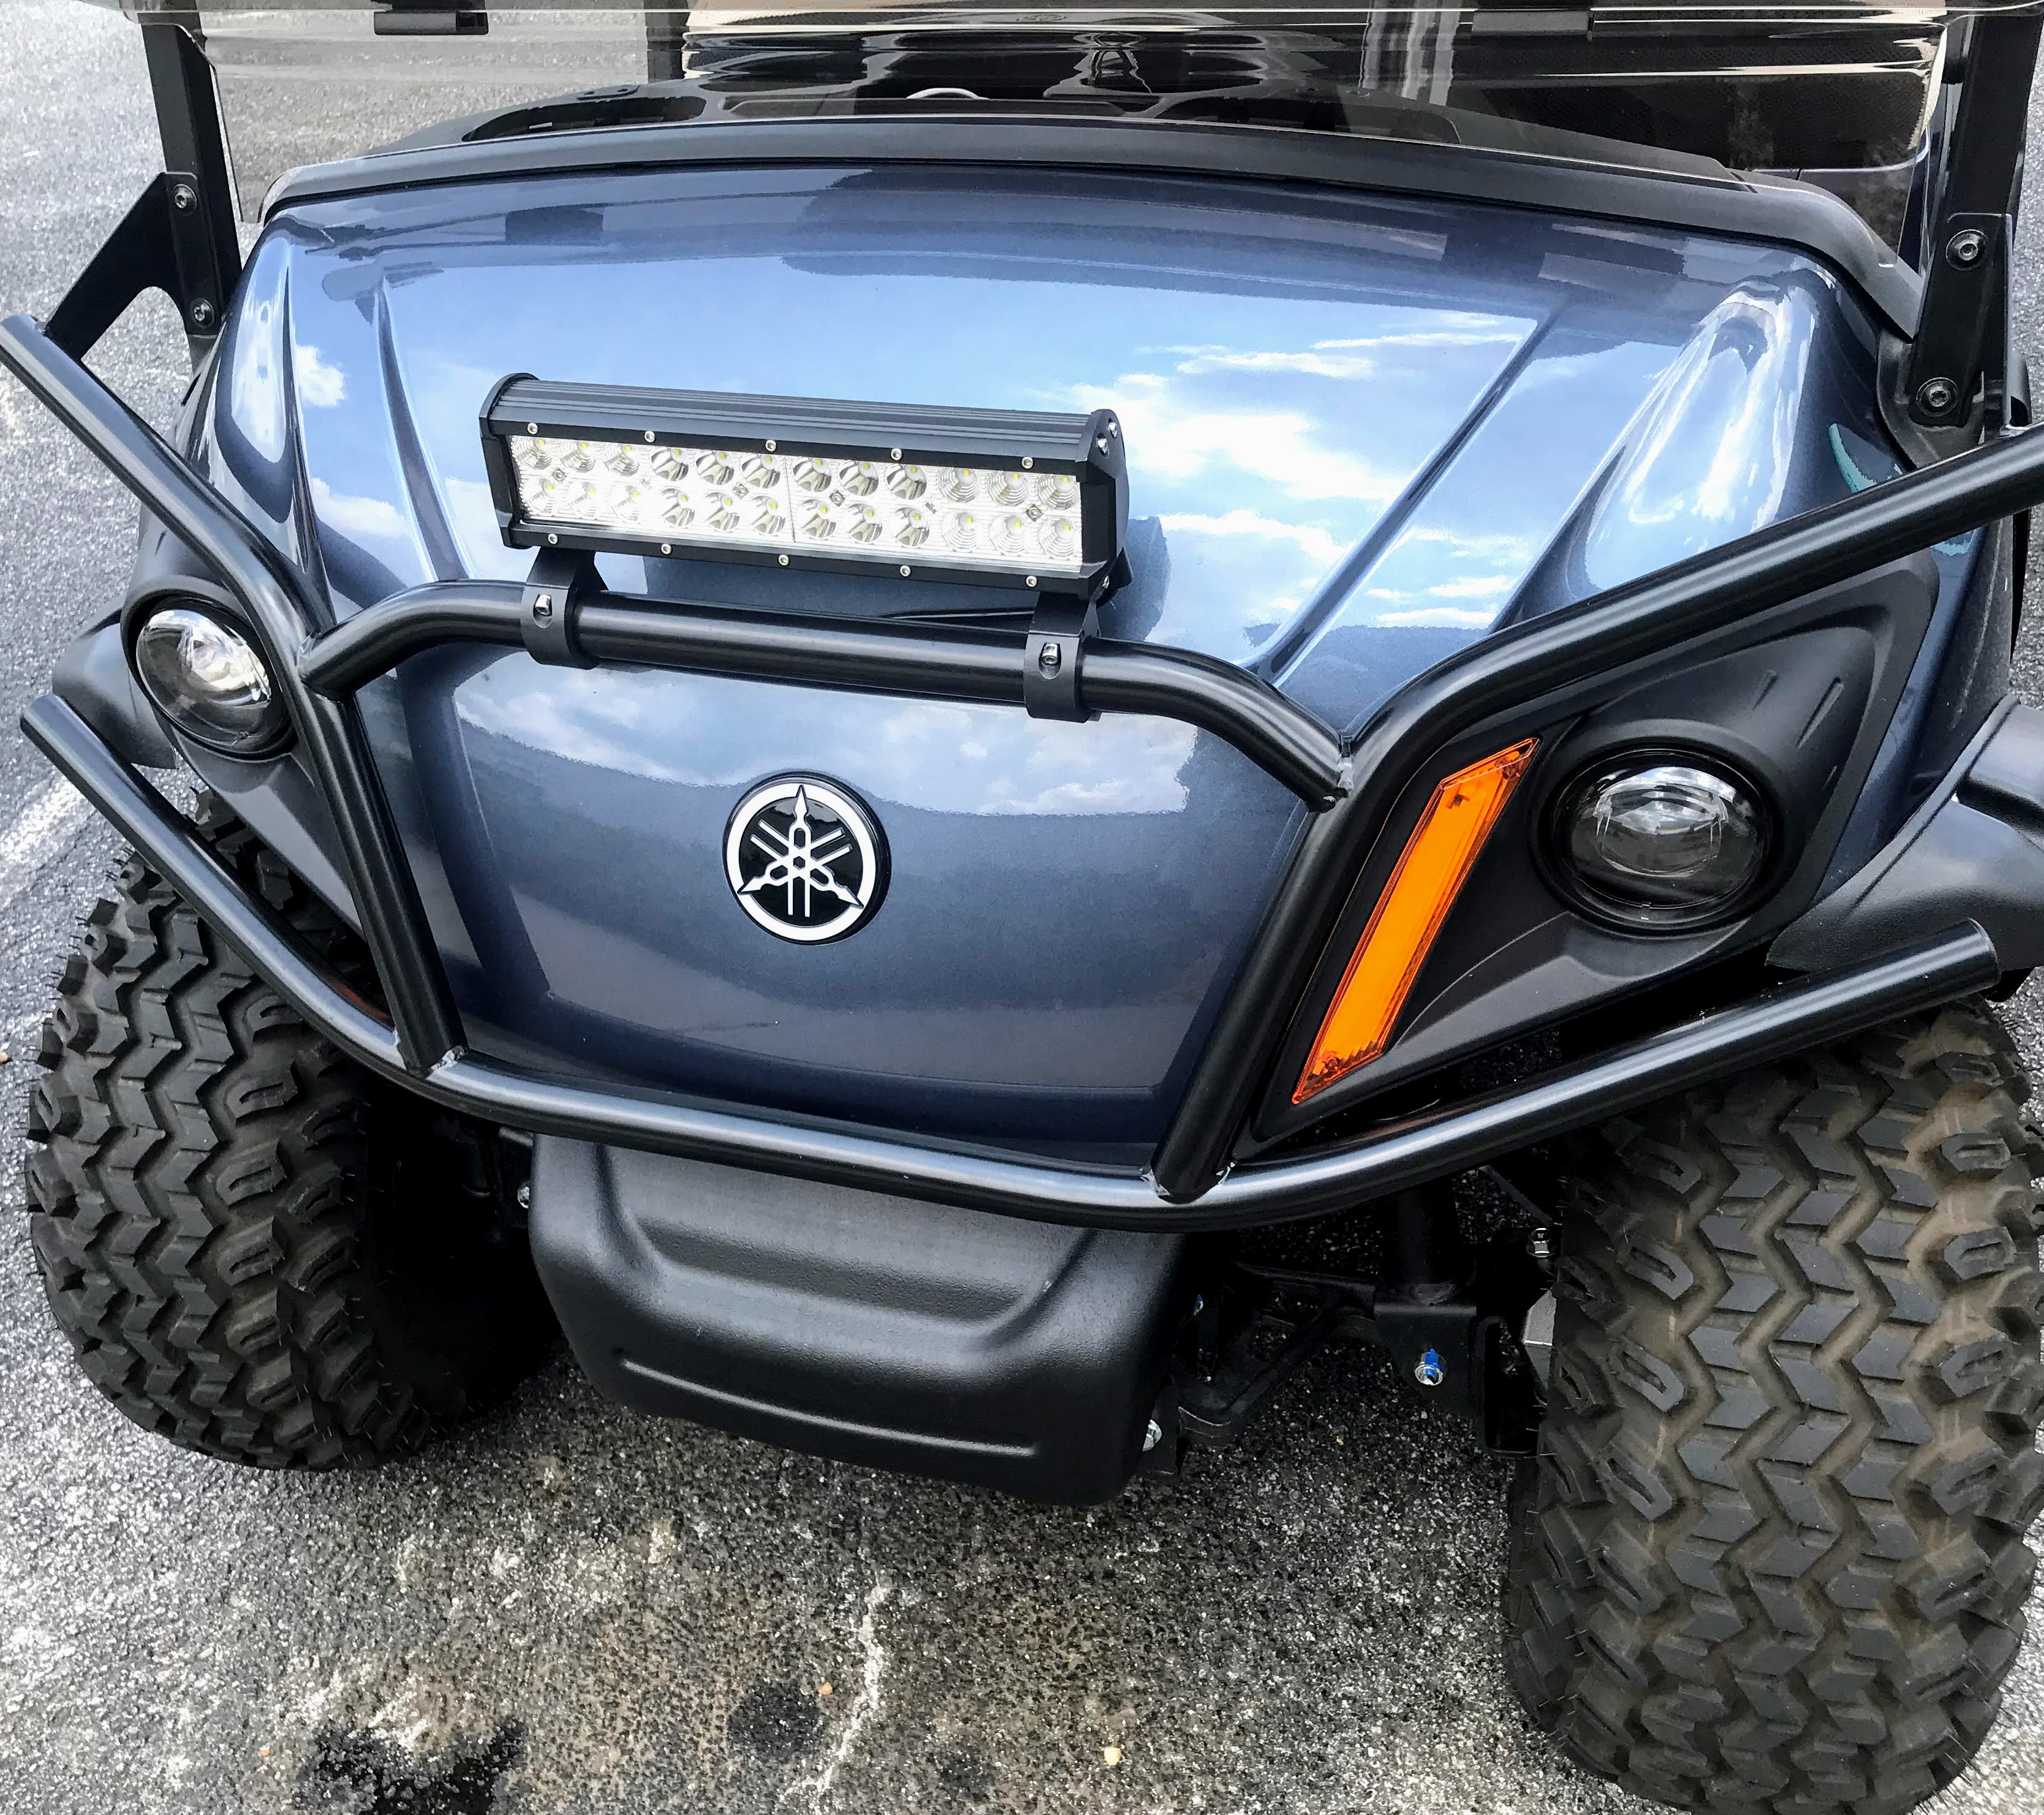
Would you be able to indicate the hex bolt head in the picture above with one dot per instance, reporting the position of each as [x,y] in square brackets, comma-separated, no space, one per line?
[201,313]
[543,608]
[1964,247]
[184,197]
[1428,1371]
[1935,396]
[1050,658]
[1152,1436]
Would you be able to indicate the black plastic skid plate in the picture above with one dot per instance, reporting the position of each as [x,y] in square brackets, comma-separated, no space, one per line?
[872,1329]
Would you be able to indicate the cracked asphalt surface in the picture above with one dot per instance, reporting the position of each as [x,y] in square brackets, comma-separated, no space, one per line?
[572,1608]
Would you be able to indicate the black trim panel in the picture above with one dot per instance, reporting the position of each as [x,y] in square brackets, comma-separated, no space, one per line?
[1743,207]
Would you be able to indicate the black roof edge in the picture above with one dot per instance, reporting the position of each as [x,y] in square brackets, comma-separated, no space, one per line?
[1748,207]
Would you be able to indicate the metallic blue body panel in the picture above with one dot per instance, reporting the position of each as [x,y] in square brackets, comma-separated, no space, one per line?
[1361,433]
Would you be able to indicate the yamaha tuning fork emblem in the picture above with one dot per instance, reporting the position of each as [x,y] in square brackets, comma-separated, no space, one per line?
[806,859]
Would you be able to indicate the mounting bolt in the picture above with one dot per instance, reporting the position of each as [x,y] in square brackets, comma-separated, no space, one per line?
[553,539]
[666,547]
[649,434]
[183,197]
[543,608]
[1966,246]
[1153,1436]
[1028,460]
[784,560]
[1050,658]
[201,313]
[904,573]
[894,453]
[1935,396]
[1428,1371]
[1538,1246]
[770,446]
[532,427]
[1031,581]
[525,1195]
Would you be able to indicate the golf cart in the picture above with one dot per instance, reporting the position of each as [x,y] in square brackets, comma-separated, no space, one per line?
[949,727]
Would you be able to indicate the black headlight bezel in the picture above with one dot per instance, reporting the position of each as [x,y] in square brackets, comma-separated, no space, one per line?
[1559,871]
[279,735]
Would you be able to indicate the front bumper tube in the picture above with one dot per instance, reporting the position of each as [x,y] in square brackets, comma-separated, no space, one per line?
[1404,1153]
[1351,786]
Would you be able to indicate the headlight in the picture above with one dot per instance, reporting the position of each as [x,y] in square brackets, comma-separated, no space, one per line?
[1658,842]
[995,498]
[208,679]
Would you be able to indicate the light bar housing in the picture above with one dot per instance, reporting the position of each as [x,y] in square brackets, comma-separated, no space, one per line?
[896,445]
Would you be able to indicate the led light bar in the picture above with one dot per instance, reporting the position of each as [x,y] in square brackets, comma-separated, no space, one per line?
[1006,498]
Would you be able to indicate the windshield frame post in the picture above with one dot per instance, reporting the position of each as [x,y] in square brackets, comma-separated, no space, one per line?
[1952,387]
[667,40]
[199,180]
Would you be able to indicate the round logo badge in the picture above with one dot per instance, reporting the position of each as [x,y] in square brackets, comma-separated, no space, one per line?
[806,859]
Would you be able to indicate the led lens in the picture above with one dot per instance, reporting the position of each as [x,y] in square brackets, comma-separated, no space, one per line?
[1663,843]
[207,679]
[721,499]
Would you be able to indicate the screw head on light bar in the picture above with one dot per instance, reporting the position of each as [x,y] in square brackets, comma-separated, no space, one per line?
[991,498]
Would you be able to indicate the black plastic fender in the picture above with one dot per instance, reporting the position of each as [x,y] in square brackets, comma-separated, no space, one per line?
[93,679]
[1974,850]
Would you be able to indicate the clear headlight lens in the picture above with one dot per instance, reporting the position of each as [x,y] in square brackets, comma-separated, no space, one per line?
[1659,842]
[776,501]
[207,679]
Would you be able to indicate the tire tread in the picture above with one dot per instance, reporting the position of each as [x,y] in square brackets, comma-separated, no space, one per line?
[198,1176]
[1772,1557]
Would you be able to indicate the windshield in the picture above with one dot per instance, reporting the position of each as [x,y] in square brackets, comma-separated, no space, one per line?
[1846,97]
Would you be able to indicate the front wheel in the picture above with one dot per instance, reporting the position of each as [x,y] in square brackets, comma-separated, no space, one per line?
[1771,1556]
[256,1250]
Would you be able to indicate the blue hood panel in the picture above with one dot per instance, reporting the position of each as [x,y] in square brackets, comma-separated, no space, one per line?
[1361,433]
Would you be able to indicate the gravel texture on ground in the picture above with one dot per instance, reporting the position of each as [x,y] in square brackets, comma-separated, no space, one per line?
[572,1608]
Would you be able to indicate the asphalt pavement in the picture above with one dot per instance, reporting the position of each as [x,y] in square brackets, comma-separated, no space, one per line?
[573,1608]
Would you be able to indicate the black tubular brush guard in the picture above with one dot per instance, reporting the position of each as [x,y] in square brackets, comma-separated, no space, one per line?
[1350,791]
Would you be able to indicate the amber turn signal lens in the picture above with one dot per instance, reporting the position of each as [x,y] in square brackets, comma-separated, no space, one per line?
[1431,869]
